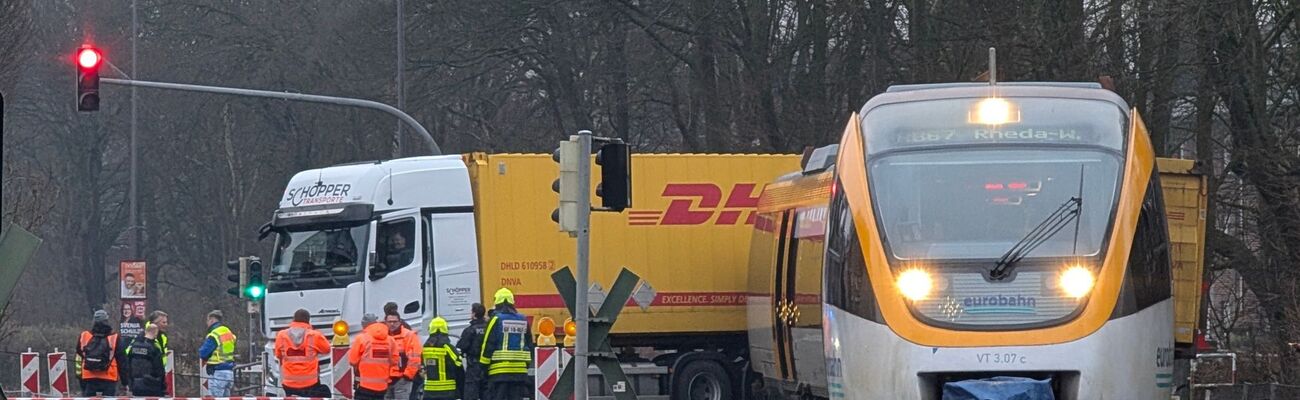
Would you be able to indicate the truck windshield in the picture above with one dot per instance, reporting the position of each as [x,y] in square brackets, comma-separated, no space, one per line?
[318,259]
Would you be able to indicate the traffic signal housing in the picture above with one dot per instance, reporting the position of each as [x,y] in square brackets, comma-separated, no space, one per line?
[255,289]
[615,187]
[569,156]
[239,277]
[88,61]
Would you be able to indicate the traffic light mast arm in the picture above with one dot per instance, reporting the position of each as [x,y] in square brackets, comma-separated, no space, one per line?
[311,98]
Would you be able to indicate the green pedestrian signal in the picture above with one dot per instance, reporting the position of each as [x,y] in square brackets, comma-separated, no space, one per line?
[255,288]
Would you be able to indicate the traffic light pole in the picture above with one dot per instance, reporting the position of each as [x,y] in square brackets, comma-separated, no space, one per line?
[310,98]
[581,349]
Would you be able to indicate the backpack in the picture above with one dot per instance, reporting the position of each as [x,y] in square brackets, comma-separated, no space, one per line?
[97,355]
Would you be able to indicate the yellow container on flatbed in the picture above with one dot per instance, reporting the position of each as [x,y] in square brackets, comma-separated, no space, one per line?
[687,235]
[1184,191]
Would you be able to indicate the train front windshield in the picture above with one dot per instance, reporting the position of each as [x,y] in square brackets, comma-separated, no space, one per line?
[954,194]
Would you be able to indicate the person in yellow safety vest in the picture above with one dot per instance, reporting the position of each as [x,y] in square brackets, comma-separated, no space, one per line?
[218,354]
[159,318]
[507,350]
[442,369]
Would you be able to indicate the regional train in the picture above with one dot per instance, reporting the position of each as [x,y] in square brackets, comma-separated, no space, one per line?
[968,234]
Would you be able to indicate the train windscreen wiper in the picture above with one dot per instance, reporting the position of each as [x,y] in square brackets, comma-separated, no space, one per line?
[1068,212]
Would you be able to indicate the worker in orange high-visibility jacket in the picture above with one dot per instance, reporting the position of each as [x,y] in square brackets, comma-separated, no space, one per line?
[299,349]
[373,355]
[98,358]
[402,376]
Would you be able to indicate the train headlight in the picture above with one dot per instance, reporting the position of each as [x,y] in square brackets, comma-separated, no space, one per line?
[1077,281]
[994,111]
[915,284]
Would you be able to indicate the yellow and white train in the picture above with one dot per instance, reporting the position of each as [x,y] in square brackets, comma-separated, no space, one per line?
[964,232]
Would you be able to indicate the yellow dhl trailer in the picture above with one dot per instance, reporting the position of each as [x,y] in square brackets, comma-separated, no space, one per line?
[686,235]
[1184,190]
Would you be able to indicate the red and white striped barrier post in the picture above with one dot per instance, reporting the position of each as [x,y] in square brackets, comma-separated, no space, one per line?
[546,371]
[170,377]
[31,375]
[58,363]
[341,370]
[203,381]
[550,363]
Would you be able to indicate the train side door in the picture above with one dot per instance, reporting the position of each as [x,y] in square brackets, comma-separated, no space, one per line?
[784,310]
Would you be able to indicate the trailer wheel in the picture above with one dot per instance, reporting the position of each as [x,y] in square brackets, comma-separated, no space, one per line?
[702,380]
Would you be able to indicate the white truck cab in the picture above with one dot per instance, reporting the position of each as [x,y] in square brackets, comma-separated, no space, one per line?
[350,238]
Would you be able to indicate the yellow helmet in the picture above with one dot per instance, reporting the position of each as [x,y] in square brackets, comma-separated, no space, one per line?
[438,325]
[504,296]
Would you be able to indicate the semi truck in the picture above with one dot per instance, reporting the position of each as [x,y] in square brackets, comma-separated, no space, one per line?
[436,234]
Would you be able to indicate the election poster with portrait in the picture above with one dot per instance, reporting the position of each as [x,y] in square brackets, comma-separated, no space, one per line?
[131,274]
[132,318]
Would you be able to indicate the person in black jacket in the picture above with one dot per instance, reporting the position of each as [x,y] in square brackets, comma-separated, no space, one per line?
[148,376]
[470,343]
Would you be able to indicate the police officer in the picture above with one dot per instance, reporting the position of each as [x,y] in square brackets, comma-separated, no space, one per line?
[507,350]
[218,353]
[146,359]
[442,368]
[157,319]
[470,343]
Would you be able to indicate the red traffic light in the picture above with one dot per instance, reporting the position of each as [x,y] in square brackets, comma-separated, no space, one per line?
[88,57]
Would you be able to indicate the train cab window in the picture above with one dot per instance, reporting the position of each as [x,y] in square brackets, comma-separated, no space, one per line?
[1148,279]
[846,283]
[396,246]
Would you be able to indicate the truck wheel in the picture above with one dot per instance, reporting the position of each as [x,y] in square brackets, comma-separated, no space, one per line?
[702,380]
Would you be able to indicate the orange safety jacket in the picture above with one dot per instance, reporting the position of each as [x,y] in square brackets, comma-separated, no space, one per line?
[111,373]
[409,346]
[298,348]
[372,354]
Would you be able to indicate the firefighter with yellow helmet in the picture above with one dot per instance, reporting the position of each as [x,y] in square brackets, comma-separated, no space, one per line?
[443,372]
[507,350]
